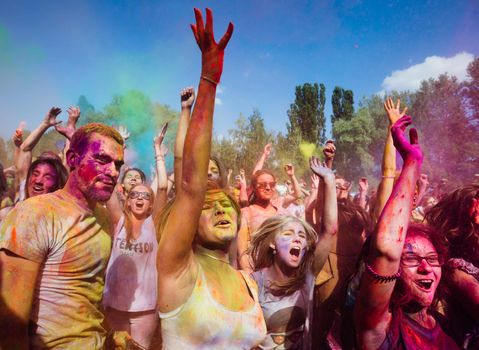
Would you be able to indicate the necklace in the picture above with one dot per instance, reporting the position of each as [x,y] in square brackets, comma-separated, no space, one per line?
[214,257]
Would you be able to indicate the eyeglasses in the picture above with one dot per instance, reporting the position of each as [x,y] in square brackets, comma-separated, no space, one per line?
[413,260]
[139,195]
[264,185]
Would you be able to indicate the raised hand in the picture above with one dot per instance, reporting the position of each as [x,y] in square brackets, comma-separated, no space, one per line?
[329,149]
[212,52]
[17,137]
[51,117]
[393,111]
[319,168]
[408,150]
[363,184]
[123,132]
[158,140]
[187,96]
[70,128]
[289,168]
[267,149]
[242,178]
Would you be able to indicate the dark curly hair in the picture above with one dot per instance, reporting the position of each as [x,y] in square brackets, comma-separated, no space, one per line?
[450,216]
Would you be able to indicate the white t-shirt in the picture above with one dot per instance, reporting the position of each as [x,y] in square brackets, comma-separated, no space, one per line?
[131,276]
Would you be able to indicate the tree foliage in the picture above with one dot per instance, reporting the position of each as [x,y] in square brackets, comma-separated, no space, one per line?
[306,114]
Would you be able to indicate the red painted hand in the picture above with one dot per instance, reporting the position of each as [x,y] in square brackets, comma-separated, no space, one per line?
[212,52]
[408,150]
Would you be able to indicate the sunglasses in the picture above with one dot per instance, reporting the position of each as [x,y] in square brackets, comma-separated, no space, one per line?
[413,260]
[139,195]
[264,185]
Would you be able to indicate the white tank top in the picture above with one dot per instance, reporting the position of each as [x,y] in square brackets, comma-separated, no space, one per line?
[131,276]
[203,323]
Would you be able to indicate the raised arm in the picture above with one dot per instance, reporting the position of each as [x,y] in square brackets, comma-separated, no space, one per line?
[260,163]
[161,176]
[243,196]
[68,130]
[24,158]
[389,158]
[328,207]
[363,191]
[329,152]
[187,97]
[175,246]
[372,316]
[297,194]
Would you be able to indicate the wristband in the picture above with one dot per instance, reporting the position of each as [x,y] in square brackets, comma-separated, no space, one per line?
[381,278]
[204,77]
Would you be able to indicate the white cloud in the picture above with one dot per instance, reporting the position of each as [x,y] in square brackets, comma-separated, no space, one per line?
[219,89]
[433,66]
[218,101]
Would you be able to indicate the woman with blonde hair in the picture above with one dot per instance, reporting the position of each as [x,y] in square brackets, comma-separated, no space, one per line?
[130,293]
[287,255]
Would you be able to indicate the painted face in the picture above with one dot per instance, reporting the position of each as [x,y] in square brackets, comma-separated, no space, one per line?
[132,178]
[265,187]
[97,170]
[140,200]
[213,171]
[290,244]
[218,221]
[423,279]
[474,211]
[43,180]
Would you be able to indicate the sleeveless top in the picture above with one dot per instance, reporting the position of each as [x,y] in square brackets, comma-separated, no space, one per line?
[287,317]
[131,276]
[404,333]
[203,323]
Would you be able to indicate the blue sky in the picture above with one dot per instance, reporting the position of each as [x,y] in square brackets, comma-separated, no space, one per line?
[51,52]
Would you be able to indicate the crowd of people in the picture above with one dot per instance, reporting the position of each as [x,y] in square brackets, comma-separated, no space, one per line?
[201,260]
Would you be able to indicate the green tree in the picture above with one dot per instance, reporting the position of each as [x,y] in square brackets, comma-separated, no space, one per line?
[306,114]
[343,104]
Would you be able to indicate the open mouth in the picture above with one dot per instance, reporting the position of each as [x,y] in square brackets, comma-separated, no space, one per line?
[38,188]
[139,205]
[295,251]
[425,284]
[222,223]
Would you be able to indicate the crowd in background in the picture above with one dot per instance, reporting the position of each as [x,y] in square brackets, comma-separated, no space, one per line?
[94,255]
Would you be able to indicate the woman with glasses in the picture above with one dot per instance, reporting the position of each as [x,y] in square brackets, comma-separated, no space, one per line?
[393,309]
[130,293]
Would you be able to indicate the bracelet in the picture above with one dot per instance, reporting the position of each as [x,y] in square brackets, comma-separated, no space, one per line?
[381,278]
[209,79]
[388,177]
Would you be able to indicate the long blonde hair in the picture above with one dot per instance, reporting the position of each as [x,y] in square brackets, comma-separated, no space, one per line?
[128,214]
[263,255]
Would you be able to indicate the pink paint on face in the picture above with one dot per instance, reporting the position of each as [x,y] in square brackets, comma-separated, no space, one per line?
[218,221]
[97,170]
[42,180]
[290,244]
[265,187]
[422,280]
